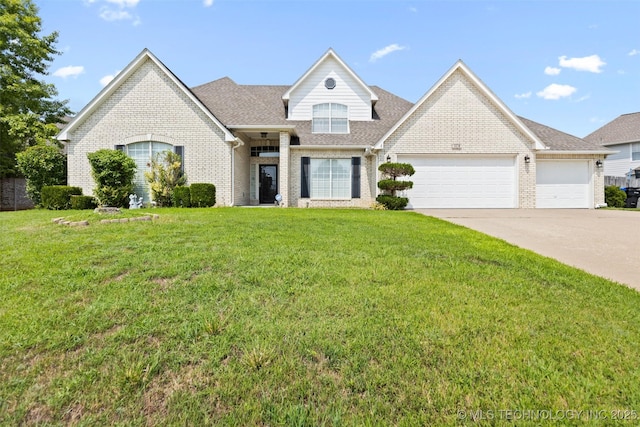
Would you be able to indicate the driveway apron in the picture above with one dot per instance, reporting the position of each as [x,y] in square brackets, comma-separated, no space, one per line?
[602,242]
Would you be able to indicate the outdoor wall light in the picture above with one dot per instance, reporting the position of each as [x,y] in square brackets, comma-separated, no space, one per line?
[527,159]
[388,158]
[598,163]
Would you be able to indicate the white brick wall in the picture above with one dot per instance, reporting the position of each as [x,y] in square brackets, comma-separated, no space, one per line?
[148,102]
[459,119]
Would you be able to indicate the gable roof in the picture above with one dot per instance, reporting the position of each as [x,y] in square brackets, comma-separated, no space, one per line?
[121,78]
[332,54]
[560,141]
[625,128]
[244,106]
[461,66]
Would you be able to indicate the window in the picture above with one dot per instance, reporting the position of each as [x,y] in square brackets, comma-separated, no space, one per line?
[330,118]
[635,151]
[330,178]
[142,153]
[265,151]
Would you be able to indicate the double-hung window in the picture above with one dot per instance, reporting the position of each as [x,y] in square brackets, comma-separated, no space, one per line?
[635,151]
[330,118]
[330,178]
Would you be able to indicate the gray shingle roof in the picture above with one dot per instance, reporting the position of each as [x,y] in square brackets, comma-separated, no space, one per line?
[625,128]
[251,105]
[560,141]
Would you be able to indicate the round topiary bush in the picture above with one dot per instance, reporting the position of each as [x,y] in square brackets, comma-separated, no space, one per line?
[392,203]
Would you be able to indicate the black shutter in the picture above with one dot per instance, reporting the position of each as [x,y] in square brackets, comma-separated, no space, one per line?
[179,150]
[355,177]
[119,147]
[304,177]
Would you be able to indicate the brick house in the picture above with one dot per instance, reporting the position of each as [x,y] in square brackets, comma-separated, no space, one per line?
[319,142]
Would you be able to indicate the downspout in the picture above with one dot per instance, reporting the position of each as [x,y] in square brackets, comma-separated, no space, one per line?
[236,143]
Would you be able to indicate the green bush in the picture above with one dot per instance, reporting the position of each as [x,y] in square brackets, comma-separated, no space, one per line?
[113,171]
[614,197]
[392,203]
[42,165]
[395,170]
[165,176]
[182,197]
[203,195]
[393,185]
[58,197]
[83,202]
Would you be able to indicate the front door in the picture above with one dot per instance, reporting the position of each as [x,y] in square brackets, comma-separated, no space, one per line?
[268,183]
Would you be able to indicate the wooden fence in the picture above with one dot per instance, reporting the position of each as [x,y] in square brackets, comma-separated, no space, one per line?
[13,194]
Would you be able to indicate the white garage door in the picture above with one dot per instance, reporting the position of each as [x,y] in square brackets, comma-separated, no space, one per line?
[462,182]
[563,184]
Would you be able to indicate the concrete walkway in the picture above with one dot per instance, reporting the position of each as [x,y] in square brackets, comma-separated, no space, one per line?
[602,242]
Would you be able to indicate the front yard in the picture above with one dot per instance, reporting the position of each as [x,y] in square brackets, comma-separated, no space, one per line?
[241,316]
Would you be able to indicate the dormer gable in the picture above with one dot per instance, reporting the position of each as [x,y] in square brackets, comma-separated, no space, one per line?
[329,81]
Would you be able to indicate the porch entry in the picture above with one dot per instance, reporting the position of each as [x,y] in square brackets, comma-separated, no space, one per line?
[268,183]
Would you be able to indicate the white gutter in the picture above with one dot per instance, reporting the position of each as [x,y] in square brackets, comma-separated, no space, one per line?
[332,147]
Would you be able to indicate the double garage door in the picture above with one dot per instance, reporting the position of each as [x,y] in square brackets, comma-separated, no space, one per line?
[492,182]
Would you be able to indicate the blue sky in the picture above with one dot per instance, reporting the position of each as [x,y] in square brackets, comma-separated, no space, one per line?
[571,65]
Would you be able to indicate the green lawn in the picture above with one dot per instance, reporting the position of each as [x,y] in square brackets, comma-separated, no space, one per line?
[238,316]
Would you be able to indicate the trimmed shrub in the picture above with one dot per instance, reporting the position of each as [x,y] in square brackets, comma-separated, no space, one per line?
[83,202]
[58,197]
[392,186]
[395,170]
[614,197]
[182,197]
[392,203]
[203,195]
[42,165]
[113,171]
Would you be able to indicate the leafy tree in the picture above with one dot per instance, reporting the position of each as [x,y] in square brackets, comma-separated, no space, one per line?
[165,175]
[28,108]
[42,165]
[113,171]
[391,184]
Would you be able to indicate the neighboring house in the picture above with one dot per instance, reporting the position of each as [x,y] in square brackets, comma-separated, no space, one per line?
[621,135]
[319,142]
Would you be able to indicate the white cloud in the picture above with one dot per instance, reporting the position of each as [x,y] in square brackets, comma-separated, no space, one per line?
[107,79]
[207,3]
[385,51]
[69,71]
[552,71]
[124,3]
[591,63]
[110,15]
[634,52]
[413,9]
[556,91]
[525,95]
[583,98]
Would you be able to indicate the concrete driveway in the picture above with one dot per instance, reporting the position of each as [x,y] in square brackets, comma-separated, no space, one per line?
[602,242]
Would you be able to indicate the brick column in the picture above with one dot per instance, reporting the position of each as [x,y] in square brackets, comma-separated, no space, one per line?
[283,169]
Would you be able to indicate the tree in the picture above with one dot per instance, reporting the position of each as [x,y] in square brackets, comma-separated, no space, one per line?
[42,165]
[29,111]
[165,175]
[392,185]
[113,171]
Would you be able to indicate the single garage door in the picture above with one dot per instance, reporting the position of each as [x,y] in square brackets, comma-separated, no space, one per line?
[462,182]
[563,184]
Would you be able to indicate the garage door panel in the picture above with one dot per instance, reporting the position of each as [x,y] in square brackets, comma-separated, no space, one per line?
[462,182]
[563,184]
